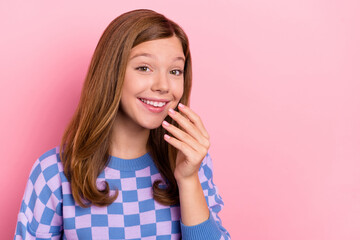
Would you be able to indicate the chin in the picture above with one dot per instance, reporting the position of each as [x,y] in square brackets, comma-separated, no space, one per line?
[152,125]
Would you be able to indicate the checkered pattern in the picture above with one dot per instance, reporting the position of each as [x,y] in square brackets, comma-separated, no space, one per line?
[48,210]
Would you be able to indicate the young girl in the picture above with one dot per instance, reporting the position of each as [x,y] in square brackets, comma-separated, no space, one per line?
[133,162]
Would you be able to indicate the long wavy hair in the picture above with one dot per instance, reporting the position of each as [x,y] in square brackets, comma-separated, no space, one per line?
[84,149]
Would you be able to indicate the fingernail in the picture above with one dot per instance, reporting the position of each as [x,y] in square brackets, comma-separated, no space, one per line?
[181,105]
[171,111]
[165,123]
[167,137]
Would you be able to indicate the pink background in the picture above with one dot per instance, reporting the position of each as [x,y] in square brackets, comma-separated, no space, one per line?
[276,82]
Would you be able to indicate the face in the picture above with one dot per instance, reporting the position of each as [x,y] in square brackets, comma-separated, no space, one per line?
[154,82]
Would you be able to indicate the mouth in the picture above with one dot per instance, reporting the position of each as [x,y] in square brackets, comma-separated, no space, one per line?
[154,103]
[156,106]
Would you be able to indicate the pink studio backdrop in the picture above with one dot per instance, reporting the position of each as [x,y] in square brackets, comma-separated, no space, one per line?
[276,83]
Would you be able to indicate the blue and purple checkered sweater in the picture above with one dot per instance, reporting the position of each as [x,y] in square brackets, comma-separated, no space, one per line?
[48,210]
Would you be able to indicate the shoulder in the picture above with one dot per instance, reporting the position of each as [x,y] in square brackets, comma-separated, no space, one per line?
[41,207]
[47,168]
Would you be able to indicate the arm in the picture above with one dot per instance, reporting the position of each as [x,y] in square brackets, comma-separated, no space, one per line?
[211,227]
[40,215]
[194,209]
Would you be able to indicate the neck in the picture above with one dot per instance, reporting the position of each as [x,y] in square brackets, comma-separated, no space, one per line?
[128,140]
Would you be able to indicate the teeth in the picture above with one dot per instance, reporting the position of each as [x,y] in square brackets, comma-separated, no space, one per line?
[152,103]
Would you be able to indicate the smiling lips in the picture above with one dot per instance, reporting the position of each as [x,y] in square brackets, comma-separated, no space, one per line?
[155,106]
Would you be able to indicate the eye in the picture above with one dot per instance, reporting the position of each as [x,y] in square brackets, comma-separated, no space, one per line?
[143,69]
[177,72]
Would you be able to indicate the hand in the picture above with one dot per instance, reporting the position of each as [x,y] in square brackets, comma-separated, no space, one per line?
[193,143]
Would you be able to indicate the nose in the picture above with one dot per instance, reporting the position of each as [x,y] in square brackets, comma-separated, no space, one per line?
[161,83]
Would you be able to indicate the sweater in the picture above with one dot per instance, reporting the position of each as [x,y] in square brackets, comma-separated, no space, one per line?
[48,209]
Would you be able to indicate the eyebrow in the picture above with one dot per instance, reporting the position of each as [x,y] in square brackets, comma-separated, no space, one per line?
[152,56]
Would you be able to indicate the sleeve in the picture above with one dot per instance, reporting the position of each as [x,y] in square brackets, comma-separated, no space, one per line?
[40,215]
[211,228]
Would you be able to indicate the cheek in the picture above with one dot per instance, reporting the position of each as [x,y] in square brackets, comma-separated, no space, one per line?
[133,83]
[179,89]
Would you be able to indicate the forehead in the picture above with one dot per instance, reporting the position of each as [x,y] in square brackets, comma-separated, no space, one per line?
[165,47]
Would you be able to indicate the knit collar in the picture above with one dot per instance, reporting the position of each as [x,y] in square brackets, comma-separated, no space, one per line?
[130,164]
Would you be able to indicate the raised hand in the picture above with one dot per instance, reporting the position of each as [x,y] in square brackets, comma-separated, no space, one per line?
[192,142]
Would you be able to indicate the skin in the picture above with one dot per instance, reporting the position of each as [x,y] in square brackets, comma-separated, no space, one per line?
[159,75]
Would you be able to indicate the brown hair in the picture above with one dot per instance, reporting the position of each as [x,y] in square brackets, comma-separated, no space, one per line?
[84,149]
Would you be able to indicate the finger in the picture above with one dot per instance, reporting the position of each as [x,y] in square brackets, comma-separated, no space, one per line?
[181,146]
[189,127]
[194,118]
[181,135]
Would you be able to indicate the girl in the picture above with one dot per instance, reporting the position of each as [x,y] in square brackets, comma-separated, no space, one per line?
[133,162]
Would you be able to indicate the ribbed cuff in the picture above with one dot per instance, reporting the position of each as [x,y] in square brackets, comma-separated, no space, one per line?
[206,230]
